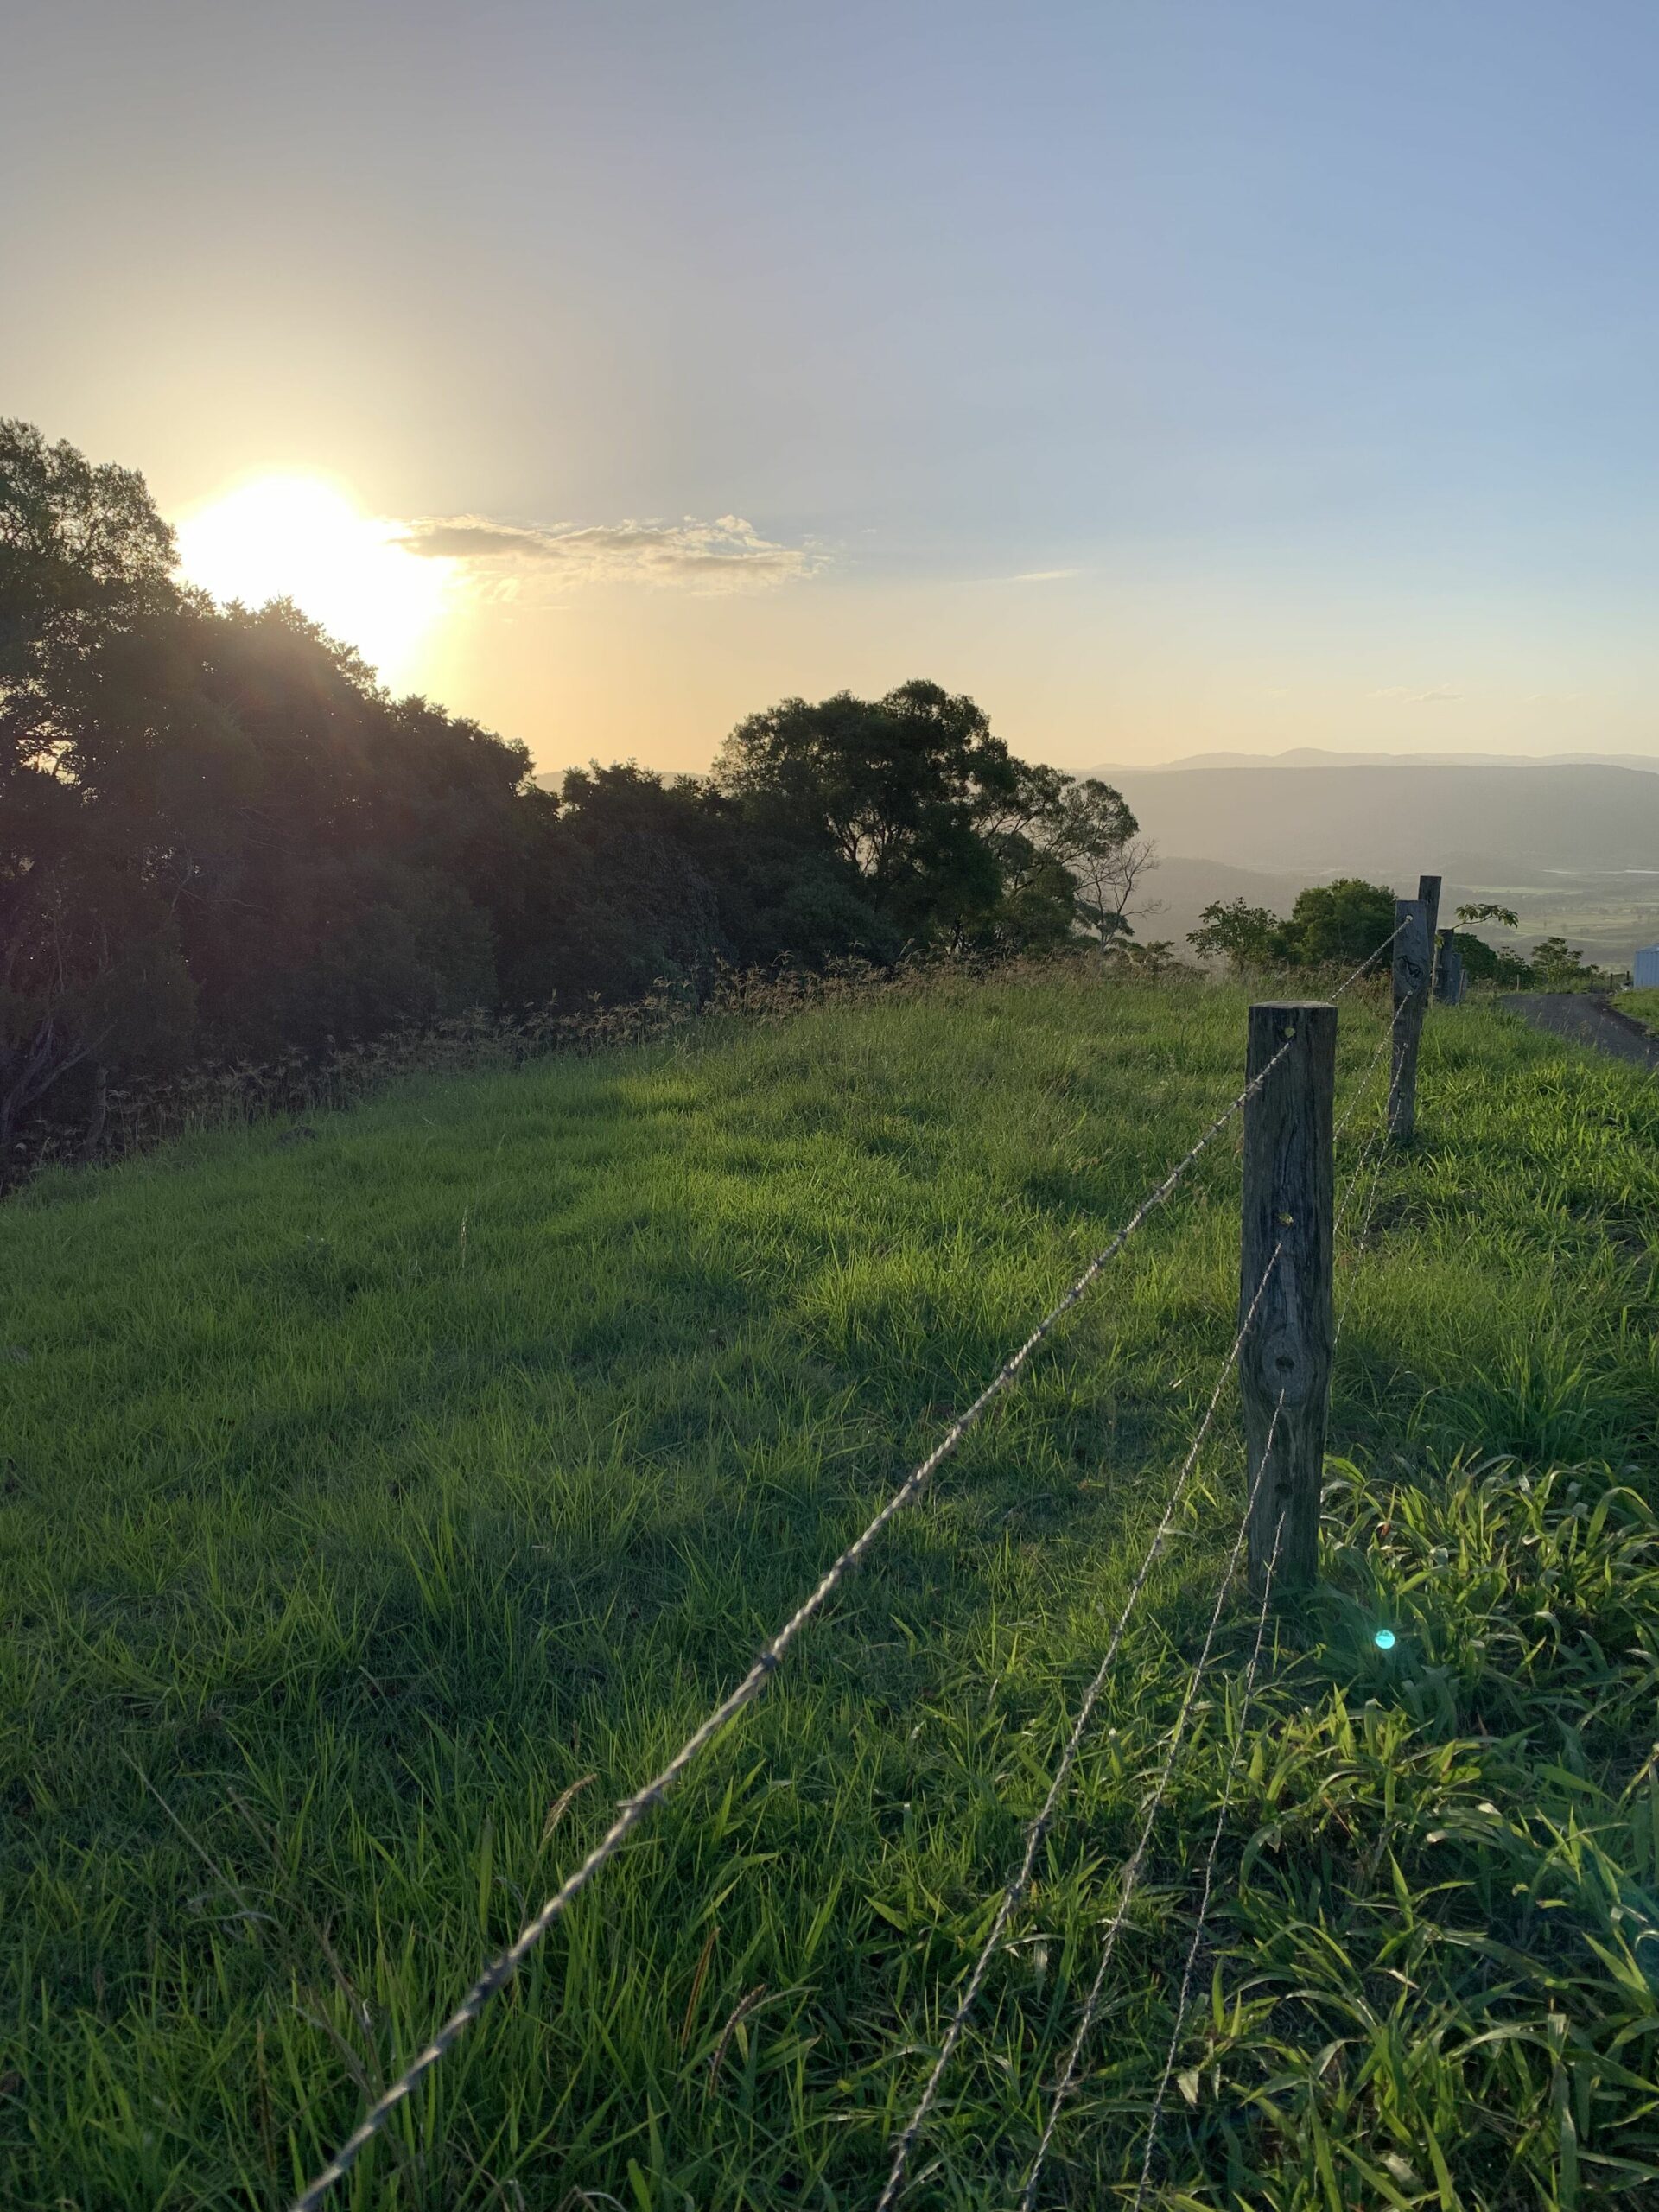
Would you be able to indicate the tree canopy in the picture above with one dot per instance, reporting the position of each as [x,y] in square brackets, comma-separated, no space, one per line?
[1330,924]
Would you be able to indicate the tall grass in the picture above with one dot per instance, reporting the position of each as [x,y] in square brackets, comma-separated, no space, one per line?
[1642,1006]
[123,1118]
[378,1510]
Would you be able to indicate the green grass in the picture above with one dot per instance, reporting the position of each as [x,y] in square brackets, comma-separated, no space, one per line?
[363,1497]
[1643,1005]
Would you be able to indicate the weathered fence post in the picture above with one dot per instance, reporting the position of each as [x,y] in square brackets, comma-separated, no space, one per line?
[1285,1352]
[1412,961]
[1428,890]
[1448,971]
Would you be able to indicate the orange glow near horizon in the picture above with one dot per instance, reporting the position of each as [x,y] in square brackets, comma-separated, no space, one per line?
[300,537]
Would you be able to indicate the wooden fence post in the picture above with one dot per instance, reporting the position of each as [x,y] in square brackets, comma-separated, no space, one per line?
[1286,1351]
[1428,890]
[1448,971]
[1412,961]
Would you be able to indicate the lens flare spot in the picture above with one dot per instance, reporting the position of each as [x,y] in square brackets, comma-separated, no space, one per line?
[1383,1639]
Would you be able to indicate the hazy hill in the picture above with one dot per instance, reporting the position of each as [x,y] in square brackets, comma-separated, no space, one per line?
[1476,822]
[1317,756]
[1179,889]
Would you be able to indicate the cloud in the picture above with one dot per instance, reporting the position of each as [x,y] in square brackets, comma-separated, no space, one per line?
[1042,576]
[727,555]
[1403,694]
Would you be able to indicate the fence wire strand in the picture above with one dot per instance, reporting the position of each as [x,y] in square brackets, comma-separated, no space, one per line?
[1039,1826]
[635,1809]
[1377,1152]
[1373,1153]
[1370,1072]
[1370,961]
[1183,2003]
[1378,1137]
[1137,1858]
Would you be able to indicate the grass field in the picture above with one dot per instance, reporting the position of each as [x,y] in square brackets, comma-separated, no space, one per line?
[1643,1005]
[379,1509]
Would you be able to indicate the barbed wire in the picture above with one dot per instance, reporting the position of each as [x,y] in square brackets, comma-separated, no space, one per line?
[1372,1156]
[635,1809]
[1038,1830]
[1371,1153]
[1370,961]
[1370,1075]
[1378,1137]
[1183,2003]
[1377,1152]
[1137,1857]
[1373,1145]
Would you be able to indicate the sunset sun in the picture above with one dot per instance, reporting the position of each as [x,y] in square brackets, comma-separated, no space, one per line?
[302,538]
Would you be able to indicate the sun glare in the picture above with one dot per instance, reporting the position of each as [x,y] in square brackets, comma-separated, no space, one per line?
[303,538]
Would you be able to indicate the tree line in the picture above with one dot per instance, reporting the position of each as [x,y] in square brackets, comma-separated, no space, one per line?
[220,836]
[1344,921]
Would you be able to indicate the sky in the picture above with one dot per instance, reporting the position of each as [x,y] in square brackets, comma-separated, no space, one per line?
[1171,375]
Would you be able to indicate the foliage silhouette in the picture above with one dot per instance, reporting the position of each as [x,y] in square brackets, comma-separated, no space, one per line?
[223,839]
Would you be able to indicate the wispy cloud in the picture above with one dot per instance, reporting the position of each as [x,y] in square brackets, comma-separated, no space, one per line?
[1042,576]
[1406,697]
[727,554]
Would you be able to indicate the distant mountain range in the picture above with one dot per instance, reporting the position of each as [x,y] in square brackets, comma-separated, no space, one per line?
[1574,846]
[1502,824]
[1313,756]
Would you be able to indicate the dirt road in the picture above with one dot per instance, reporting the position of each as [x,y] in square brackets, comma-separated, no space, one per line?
[1584,1018]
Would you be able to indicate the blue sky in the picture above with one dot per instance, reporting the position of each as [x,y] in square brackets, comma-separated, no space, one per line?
[1170,375]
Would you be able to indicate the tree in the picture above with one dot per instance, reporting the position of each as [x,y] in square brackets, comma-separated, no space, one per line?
[1342,922]
[1336,923]
[1558,966]
[1505,917]
[1055,841]
[1482,962]
[1486,963]
[902,787]
[1099,840]
[84,556]
[946,835]
[85,595]
[1242,935]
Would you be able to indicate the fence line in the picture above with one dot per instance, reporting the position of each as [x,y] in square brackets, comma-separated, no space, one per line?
[635,1809]
[1039,1828]
[1373,1153]
[1137,1857]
